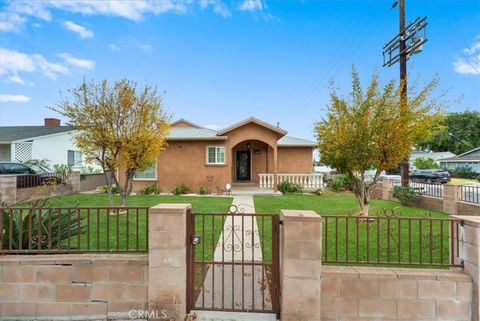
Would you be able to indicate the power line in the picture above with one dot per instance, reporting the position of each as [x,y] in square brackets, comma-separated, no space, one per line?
[332,67]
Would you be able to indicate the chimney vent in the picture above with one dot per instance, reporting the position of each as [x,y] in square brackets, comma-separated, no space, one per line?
[52,122]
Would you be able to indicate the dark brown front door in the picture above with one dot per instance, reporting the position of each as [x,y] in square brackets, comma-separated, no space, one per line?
[243,165]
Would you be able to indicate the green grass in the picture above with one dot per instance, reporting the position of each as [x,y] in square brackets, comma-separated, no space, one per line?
[414,243]
[402,241]
[108,231]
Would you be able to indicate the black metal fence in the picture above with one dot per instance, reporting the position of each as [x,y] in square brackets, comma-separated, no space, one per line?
[391,240]
[38,230]
[435,190]
[34,180]
[470,194]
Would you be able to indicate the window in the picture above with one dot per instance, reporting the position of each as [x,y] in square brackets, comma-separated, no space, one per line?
[74,158]
[149,173]
[215,155]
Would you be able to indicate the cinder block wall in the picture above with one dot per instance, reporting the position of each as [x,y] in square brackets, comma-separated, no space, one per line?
[356,294]
[56,287]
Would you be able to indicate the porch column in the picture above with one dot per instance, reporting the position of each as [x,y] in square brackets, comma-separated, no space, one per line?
[275,172]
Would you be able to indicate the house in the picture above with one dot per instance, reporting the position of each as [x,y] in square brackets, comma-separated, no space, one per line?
[436,156]
[470,159]
[52,142]
[250,152]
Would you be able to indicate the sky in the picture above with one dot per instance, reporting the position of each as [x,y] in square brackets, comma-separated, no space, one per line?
[217,62]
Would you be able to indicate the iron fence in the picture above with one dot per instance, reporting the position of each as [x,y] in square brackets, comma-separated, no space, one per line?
[391,240]
[233,262]
[38,230]
[34,180]
[470,194]
[435,190]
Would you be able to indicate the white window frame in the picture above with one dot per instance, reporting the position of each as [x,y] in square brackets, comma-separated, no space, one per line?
[76,162]
[147,179]
[215,163]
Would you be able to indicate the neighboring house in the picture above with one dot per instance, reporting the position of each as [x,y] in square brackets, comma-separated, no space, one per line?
[436,156]
[240,153]
[470,159]
[51,141]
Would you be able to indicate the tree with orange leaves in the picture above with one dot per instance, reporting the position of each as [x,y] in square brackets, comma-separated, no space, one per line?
[373,129]
[120,127]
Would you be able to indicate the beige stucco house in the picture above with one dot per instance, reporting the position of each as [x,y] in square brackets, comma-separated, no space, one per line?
[250,152]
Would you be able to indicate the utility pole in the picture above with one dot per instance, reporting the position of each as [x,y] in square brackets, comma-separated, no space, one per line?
[406,43]
[404,166]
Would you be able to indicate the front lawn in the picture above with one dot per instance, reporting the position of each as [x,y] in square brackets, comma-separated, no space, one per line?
[398,241]
[117,230]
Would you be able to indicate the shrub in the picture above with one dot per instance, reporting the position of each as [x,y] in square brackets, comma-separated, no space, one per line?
[63,171]
[425,163]
[37,220]
[181,189]
[286,187]
[202,190]
[341,183]
[405,194]
[464,172]
[115,189]
[478,178]
[150,190]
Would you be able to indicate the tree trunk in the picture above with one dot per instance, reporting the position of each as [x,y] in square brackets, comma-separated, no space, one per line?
[108,180]
[127,188]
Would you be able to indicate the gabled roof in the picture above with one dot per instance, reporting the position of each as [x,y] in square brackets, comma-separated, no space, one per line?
[288,141]
[192,133]
[9,134]
[470,151]
[255,121]
[186,122]
[432,155]
[464,157]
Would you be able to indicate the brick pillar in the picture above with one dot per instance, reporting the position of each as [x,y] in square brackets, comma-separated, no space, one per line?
[167,257]
[74,178]
[300,260]
[8,189]
[387,187]
[450,199]
[469,248]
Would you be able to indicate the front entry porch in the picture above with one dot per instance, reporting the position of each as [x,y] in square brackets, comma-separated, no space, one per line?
[250,158]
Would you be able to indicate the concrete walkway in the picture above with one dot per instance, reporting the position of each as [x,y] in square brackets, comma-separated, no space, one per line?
[232,285]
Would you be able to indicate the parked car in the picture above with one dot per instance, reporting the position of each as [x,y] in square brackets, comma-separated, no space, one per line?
[28,177]
[430,176]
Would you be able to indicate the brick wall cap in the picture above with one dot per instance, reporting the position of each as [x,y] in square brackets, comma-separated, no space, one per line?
[468,220]
[395,273]
[57,259]
[173,206]
[300,215]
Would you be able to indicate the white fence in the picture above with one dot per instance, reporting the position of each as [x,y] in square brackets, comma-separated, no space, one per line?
[308,181]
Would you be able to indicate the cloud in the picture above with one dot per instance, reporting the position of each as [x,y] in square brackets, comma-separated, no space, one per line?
[13,62]
[218,7]
[470,64]
[16,12]
[77,62]
[145,47]
[212,127]
[10,21]
[81,30]
[251,5]
[14,98]
[114,47]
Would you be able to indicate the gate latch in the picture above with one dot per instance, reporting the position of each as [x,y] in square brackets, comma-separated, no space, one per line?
[196,239]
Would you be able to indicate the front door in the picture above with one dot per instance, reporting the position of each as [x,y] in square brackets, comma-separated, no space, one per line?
[243,165]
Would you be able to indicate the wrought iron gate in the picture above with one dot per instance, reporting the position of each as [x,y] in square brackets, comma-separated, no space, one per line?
[233,262]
